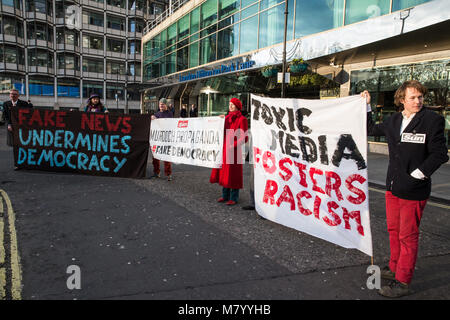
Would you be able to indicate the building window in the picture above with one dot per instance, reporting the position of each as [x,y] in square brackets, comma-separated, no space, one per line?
[115,68]
[208,13]
[403,4]
[228,42]
[114,91]
[134,47]
[271,30]
[68,88]
[115,45]
[317,16]
[40,58]
[134,69]
[157,8]
[358,10]
[12,54]
[93,19]
[249,35]
[92,87]
[13,3]
[208,49]
[65,36]
[135,26]
[93,42]
[68,61]
[227,7]
[39,31]
[137,5]
[116,3]
[116,23]
[92,65]
[41,6]
[8,82]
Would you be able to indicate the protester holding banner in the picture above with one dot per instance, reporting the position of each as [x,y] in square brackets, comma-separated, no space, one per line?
[230,176]
[163,112]
[9,105]
[417,148]
[95,105]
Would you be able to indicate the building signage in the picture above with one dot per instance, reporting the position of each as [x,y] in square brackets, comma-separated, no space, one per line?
[234,66]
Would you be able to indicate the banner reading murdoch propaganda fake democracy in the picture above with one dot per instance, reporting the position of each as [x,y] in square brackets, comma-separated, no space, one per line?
[310,159]
[193,141]
[79,142]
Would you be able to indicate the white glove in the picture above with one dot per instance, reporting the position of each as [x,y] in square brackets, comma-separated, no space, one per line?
[417,174]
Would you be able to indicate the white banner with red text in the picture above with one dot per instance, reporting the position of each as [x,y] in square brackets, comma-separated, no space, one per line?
[193,141]
[310,162]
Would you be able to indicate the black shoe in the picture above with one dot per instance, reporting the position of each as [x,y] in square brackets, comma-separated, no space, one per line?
[16,168]
[387,274]
[395,289]
[156,175]
[248,208]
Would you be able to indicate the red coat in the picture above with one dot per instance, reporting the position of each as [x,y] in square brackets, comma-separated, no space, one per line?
[231,173]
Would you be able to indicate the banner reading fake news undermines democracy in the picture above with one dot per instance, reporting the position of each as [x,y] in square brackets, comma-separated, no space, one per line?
[310,159]
[79,142]
[194,141]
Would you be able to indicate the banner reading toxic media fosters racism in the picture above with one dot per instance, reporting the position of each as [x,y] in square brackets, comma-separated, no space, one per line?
[310,159]
[194,141]
[88,143]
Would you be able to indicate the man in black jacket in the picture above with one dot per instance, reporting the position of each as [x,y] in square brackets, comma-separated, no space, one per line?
[417,148]
[14,102]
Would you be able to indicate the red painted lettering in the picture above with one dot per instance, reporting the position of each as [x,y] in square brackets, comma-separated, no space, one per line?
[126,124]
[333,186]
[36,117]
[303,210]
[22,117]
[317,202]
[266,156]
[312,172]
[353,215]
[60,119]
[286,196]
[48,118]
[336,219]
[287,171]
[113,126]
[87,119]
[98,122]
[301,170]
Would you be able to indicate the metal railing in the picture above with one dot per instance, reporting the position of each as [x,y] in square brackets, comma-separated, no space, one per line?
[163,16]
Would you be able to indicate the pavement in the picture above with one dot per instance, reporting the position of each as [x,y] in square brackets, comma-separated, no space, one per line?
[155,239]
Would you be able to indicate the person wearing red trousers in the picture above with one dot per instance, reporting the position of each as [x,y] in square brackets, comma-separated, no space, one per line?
[163,112]
[417,148]
[230,175]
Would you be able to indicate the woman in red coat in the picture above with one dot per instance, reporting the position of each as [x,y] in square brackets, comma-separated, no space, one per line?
[230,176]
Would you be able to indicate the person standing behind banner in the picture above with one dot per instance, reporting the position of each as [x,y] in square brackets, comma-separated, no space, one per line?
[230,175]
[163,112]
[8,106]
[417,148]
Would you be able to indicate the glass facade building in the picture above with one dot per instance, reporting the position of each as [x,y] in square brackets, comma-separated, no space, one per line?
[208,51]
[56,53]
[218,29]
